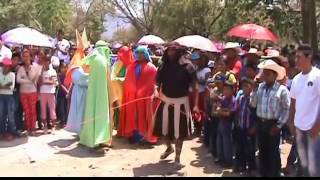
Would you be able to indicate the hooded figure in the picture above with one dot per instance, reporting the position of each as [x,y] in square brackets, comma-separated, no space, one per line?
[139,85]
[97,125]
[119,69]
[79,80]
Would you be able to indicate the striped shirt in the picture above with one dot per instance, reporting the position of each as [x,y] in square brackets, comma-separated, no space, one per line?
[272,103]
[246,114]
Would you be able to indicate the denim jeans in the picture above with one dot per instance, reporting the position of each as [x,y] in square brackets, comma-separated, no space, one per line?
[224,141]
[309,153]
[7,121]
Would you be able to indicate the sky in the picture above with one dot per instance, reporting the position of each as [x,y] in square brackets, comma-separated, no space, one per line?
[112,23]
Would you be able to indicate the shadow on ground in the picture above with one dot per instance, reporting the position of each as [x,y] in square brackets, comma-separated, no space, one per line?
[72,148]
[14,143]
[207,163]
[163,169]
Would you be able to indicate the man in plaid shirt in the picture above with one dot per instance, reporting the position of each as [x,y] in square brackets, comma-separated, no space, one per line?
[272,101]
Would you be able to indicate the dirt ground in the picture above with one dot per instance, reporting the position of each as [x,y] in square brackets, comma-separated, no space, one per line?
[60,155]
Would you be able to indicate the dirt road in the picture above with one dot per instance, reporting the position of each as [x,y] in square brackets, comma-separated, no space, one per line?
[60,155]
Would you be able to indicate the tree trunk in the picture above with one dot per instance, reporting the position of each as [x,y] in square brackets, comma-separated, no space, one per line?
[309,23]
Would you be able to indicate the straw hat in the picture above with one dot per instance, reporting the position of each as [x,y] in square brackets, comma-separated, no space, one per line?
[271,54]
[232,45]
[273,66]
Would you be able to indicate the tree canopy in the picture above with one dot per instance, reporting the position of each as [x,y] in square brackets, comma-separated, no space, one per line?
[169,19]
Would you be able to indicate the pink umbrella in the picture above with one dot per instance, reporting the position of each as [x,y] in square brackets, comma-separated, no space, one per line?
[253,31]
[27,36]
[151,40]
[197,42]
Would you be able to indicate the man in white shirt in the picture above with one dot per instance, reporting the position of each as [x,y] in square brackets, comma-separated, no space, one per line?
[4,52]
[62,48]
[305,110]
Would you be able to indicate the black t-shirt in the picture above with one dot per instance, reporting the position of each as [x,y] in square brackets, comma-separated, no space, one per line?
[176,79]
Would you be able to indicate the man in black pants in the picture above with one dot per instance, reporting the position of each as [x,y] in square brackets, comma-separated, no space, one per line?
[272,101]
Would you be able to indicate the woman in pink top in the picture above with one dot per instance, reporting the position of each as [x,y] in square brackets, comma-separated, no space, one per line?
[27,77]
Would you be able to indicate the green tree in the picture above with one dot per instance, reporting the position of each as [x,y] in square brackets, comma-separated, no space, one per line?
[185,17]
[44,15]
[90,14]
[126,35]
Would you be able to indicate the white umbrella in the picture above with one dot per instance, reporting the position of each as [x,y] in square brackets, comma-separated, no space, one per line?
[197,42]
[150,40]
[27,36]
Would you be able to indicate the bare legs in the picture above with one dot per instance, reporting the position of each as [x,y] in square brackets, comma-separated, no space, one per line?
[170,150]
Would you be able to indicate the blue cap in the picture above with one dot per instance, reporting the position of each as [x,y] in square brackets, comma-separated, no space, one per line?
[195,56]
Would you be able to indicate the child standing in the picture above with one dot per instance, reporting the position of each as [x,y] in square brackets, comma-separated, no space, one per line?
[226,113]
[7,108]
[16,64]
[48,82]
[245,129]
[63,92]
[215,93]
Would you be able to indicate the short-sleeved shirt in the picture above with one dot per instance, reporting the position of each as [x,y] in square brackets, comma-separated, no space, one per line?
[176,79]
[46,75]
[305,89]
[4,80]
[201,77]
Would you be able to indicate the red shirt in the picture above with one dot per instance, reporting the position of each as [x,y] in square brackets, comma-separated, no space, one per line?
[235,67]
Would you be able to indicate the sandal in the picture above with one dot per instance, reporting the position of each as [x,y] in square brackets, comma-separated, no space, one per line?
[166,154]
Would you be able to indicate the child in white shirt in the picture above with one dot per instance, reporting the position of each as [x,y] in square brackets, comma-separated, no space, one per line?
[48,83]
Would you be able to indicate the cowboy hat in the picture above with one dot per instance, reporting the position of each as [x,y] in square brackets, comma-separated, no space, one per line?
[272,53]
[232,45]
[273,66]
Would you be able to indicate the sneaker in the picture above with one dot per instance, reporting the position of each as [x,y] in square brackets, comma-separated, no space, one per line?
[20,134]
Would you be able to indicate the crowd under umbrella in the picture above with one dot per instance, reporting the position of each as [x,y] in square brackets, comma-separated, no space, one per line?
[28,37]
[151,40]
[253,32]
[198,42]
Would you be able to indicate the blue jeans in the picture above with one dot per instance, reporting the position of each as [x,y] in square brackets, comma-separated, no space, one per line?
[309,153]
[224,141]
[7,121]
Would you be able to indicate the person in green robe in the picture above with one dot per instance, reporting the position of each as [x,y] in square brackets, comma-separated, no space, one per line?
[97,126]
